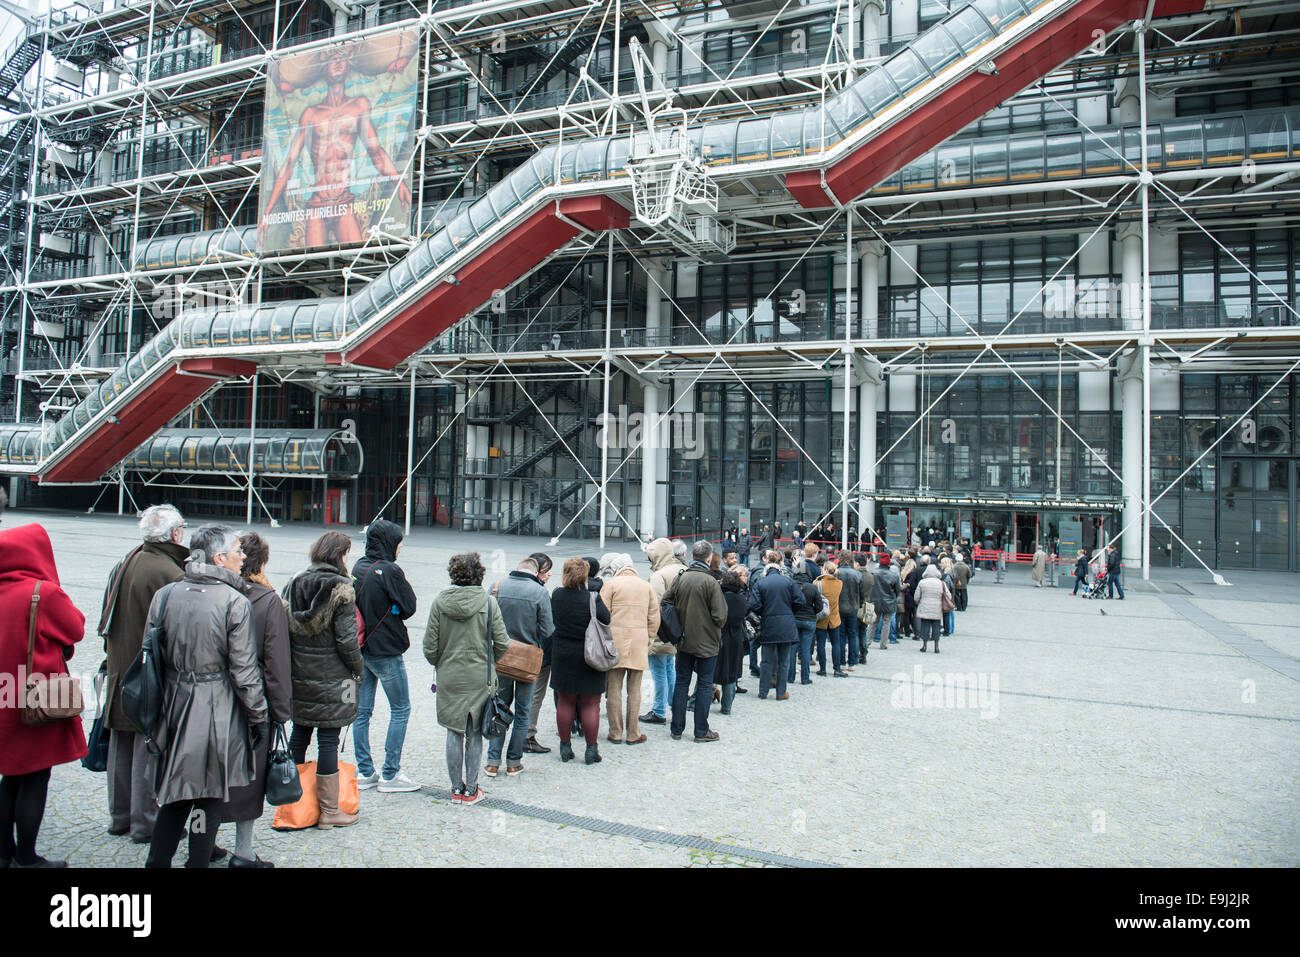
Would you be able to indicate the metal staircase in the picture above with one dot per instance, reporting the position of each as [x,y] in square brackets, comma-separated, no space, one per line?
[19,60]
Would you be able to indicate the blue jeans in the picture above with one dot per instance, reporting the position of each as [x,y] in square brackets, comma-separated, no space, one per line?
[776,662]
[521,695]
[836,636]
[949,622]
[664,670]
[728,696]
[702,668]
[1113,585]
[849,623]
[807,628]
[391,672]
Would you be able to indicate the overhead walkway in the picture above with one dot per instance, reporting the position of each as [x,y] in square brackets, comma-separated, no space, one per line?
[289,453]
[849,142]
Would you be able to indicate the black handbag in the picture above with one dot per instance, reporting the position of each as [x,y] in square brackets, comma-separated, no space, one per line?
[142,685]
[670,626]
[96,758]
[282,784]
[497,716]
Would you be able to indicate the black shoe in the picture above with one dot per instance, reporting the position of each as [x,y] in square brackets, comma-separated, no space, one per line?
[740,690]
[806,681]
[753,672]
[39,862]
[237,861]
[141,840]
[566,751]
[822,672]
[531,746]
[218,854]
[651,718]
[862,658]
[593,754]
[724,711]
[841,674]
[711,736]
[122,831]
[676,735]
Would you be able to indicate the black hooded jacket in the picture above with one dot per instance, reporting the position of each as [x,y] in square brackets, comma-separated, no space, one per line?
[384,596]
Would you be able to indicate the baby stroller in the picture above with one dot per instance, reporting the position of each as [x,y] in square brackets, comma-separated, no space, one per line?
[1096,587]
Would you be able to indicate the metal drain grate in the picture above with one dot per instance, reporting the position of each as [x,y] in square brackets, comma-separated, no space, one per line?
[634,831]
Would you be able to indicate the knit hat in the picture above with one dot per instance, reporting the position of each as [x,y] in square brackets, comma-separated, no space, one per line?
[884,560]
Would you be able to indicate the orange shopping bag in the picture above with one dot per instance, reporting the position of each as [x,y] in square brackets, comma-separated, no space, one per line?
[305,812]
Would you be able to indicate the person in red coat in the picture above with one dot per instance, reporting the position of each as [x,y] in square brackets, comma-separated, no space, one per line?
[28,753]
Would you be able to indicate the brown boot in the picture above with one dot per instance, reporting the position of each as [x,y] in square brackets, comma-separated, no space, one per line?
[327,790]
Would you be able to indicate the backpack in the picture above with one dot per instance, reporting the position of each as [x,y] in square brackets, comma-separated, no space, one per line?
[142,685]
[825,613]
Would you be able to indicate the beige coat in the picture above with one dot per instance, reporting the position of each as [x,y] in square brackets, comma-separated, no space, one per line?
[665,569]
[633,617]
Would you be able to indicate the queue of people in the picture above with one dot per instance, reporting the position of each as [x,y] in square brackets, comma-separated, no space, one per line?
[244,665]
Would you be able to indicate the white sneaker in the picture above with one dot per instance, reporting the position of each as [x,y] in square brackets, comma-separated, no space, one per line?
[396,784]
[366,782]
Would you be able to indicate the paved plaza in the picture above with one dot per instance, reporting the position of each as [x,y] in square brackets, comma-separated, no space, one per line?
[1161,730]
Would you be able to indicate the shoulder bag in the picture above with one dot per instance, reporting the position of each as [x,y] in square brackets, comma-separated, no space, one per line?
[142,685]
[96,758]
[598,648]
[825,613]
[497,716]
[47,698]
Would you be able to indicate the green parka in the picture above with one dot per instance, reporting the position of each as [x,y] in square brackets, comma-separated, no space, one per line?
[463,639]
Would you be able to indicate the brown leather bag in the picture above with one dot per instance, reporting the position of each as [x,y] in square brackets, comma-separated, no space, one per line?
[47,698]
[521,662]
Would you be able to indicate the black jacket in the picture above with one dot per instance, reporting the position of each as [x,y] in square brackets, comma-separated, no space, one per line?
[326,661]
[1081,567]
[384,596]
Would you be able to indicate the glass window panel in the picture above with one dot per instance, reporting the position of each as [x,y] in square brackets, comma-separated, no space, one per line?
[590,163]
[1026,158]
[906,70]
[990,162]
[920,173]
[1225,140]
[718,144]
[937,48]
[846,112]
[752,140]
[969,28]
[954,164]
[1001,13]
[1065,155]
[1182,145]
[876,90]
[787,134]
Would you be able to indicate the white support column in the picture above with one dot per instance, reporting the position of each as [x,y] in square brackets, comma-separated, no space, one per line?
[469,505]
[873,21]
[654,460]
[1129,237]
[410,449]
[252,444]
[1130,381]
[872,254]
[870,379]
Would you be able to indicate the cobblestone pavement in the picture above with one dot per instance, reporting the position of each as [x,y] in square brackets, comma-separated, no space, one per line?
[1127,738]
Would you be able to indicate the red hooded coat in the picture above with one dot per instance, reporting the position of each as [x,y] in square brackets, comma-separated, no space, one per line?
[26,557]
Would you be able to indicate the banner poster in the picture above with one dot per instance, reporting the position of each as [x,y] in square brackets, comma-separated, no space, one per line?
[339,132]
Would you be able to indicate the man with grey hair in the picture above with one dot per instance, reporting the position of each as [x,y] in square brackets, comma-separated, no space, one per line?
[526,612]
[159,561]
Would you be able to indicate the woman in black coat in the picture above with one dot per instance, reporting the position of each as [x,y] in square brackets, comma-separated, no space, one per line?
[578,686]
[271,639]
[731,659]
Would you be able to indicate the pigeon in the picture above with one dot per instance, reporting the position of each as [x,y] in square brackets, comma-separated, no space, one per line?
[1102,610]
